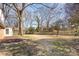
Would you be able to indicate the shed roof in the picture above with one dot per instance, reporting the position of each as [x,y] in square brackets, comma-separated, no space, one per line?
[2,26]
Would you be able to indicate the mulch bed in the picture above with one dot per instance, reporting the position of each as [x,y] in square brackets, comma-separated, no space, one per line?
[11,40]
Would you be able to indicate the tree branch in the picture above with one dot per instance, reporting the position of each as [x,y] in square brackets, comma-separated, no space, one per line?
[27,6]
[47,6]
[10,6]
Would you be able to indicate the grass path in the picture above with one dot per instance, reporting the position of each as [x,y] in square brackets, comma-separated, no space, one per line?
[37,37]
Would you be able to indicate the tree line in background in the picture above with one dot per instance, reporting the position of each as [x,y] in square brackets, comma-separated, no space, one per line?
[45,18]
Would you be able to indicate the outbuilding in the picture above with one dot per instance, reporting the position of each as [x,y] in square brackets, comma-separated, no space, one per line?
[2,30]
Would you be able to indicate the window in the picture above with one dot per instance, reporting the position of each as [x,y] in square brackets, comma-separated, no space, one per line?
[7,31]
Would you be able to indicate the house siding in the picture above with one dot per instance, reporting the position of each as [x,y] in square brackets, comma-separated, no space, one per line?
[10,32]
[1,33]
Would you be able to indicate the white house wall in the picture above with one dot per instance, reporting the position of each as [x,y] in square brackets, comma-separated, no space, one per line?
[10,32]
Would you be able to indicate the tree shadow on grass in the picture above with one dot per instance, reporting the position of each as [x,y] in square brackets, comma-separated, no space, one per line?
[59,47]
[41,47]
[19,47]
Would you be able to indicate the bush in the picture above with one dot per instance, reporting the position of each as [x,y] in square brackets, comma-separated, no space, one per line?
[30,30]
[37,29]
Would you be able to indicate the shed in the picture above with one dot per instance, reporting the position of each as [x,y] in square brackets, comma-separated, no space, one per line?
[2,31]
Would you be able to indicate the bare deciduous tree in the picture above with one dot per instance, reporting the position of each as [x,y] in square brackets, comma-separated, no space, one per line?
[19,8]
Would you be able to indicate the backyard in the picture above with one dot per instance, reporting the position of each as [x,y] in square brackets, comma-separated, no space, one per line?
[40,45]
[39,29]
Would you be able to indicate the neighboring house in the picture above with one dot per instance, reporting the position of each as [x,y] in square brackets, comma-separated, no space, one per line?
[4,31]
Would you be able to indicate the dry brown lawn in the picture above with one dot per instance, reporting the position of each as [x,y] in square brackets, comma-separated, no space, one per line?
[46,43]
[37,37]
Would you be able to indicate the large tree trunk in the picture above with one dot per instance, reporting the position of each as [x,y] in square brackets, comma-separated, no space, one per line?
[20,27]
[20,23]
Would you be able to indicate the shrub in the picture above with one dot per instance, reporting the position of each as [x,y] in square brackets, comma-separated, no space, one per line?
[30,30]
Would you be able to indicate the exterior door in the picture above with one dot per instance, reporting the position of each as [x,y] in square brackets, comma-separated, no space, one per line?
[7,31]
